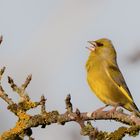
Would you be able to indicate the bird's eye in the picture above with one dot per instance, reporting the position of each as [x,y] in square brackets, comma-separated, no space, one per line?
[99,44]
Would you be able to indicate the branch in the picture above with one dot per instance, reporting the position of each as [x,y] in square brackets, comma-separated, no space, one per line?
[26,122]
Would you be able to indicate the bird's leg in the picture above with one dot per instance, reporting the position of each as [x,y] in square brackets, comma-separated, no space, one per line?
[96,111]
[114,108]
[99,110]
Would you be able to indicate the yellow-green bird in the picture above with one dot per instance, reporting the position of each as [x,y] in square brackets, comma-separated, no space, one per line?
[105,78]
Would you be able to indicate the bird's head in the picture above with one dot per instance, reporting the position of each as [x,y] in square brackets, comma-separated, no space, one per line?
[102,48]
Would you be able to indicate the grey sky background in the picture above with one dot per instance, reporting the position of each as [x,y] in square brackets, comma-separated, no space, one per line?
[47,39]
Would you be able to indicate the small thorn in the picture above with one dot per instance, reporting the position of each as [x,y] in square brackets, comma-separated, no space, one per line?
[78,112]
[1,39]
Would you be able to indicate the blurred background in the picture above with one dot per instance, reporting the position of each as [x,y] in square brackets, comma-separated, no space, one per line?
[47,38]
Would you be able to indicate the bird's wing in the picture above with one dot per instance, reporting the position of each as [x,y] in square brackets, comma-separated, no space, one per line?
[117,78]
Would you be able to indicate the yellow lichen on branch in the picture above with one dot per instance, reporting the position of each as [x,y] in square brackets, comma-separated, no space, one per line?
[26,122]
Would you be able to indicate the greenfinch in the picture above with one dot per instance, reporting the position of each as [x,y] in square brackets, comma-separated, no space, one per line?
[105,78]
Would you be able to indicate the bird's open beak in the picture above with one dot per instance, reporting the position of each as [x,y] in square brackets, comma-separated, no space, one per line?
[93,45]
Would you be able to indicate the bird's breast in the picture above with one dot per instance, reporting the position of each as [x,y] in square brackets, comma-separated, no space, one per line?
[100,84]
